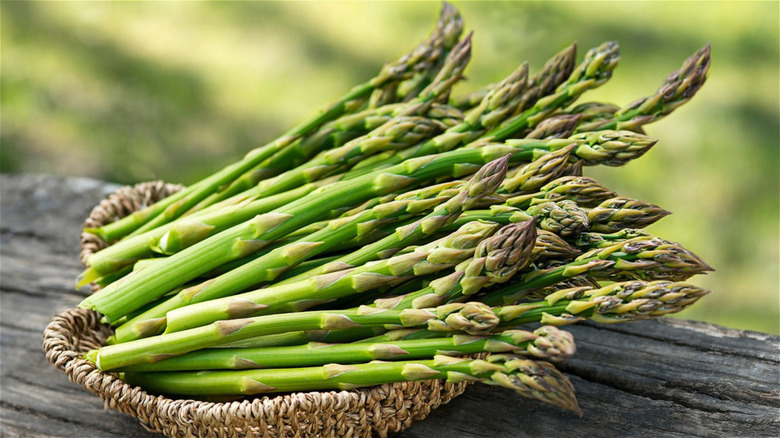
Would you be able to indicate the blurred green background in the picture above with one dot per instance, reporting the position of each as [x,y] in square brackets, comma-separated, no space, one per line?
[128,92]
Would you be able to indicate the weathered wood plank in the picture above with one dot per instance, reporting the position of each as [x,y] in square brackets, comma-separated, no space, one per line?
[39,244]
[661,378]
[656,378]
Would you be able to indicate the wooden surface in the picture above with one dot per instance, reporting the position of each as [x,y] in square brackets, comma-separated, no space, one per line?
[660,378]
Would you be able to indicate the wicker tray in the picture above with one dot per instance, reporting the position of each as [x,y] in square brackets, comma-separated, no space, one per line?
[354,413]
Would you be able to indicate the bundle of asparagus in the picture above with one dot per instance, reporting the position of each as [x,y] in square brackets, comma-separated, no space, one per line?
[397,234]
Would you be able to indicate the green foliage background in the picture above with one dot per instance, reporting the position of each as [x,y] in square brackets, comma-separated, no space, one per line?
[127,92]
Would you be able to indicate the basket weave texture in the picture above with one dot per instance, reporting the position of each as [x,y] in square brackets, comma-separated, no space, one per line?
[354,413]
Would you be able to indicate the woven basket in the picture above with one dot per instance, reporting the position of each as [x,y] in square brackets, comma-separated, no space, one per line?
[354,413]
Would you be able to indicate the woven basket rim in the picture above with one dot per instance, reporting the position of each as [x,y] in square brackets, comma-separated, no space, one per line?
[356,412]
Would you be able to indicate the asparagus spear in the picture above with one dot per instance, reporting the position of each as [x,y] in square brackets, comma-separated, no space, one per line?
[593,111]
[402,130]
[555,72]
[547,343]
[406,89]
[618,302]
[560,126]
[567,219]
[538,172]
[301,295]
[611,148]
[180,234]
[645,257]
[564,218]
[472,318]
[399,132]
[495,261]
[595,70]
[418,59]
[244,239]
[561,62]
[586,192]
[537,380]
[547,246]
[152,319]
[569,283]
[678,88]
[551,76]
[482,184]
[617,213]
[498,104]
[591,241]
[332,134]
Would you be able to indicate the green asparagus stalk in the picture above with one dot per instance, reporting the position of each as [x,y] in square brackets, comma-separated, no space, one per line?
[560,126]
[241,240]
[645,258]
[180,234]
[546,81]
[610,148]
[593,111]
[271,264]
[332,134]
[157,214]
[617,213]
[566,218]
[400,132]
[471,318]
[297,296]
[498,104]
[448,188]
[431,195]
[406,89]
[589,240]
[586,192]
[546,343]
[594,71]
[532,379]
[550,246]
[539,172]
[618,302]
[481,185]
[569,283]
[547,246]
[678,88]
[552,71]
[495,261]
[553,74]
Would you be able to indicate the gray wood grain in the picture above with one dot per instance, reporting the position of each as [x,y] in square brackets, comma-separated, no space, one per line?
[665,378]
